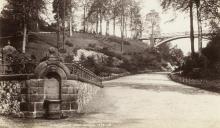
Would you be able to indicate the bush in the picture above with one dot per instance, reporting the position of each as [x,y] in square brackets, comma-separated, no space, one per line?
[9,98]
[207,65]
[92,46]
[194,67]
[68,43]
[21,63]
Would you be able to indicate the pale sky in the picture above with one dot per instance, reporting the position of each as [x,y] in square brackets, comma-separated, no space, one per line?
[180,24]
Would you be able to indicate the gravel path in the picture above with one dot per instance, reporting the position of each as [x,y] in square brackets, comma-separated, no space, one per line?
[139,101]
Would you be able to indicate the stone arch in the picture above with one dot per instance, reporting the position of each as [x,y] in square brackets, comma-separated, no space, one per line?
[46,67]
[175,38]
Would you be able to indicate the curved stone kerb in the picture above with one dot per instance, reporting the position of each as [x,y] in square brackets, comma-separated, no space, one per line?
[52,66]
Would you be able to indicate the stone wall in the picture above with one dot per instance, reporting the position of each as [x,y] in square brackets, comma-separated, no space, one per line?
[74,95]
[55,89]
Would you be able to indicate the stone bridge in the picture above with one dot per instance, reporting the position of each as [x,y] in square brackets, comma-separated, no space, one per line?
[158,40]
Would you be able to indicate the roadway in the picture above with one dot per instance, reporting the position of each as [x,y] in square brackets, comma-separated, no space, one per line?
[140,101]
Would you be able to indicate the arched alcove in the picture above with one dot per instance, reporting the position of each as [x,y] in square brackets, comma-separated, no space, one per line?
[57,68]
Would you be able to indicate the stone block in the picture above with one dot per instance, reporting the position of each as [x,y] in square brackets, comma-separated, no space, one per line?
[74,106]
[33,83]
[33,90]
[41,83]
[69,83]
[39,106]
[24,106]
[31,107]
[29,115]
[69,113]
[36,90]
[40,90]
[70,90]
[36,98]
[39,114]
[64,90]
[69,97]
[65,106]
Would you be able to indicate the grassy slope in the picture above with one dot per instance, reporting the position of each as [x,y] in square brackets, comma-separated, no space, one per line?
[39,43]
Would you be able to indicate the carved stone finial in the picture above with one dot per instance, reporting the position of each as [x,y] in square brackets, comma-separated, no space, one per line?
[52,54]
[52,50]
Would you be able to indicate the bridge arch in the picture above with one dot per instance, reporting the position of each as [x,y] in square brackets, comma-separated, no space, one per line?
[175,38]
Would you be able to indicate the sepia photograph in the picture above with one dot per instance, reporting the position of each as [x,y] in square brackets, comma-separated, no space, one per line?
[109,63]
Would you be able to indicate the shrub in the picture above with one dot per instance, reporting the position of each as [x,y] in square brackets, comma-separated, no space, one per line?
[68,43]
[9,98]
[193,66]
[21,63]
[92,45]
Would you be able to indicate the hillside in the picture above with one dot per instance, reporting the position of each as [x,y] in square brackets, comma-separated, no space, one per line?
[40,42]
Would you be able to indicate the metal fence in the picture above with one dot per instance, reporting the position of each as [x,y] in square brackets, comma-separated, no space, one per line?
[77,71]
[84,74]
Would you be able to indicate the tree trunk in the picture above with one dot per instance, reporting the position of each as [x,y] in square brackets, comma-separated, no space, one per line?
[107,28]
[122,32]
[125,27]
[97,23]
[100,23]
[131,23]
[114,22]
[84,19]
[58,32]
[191,29]
[199,29]
[24,38]
[70,25]
[58,26]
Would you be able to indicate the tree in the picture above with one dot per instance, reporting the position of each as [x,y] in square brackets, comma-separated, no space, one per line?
[115,13]
[24,12]
[206,10]
[183,5]
[63,11]
[153,25]
[199,21]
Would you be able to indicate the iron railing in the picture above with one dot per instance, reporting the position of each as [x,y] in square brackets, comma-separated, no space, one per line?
[83,74]
[77,72]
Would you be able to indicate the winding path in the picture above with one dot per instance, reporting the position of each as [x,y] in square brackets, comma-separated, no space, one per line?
[140,101]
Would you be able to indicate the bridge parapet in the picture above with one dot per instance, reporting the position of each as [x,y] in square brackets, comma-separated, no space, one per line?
[176,34]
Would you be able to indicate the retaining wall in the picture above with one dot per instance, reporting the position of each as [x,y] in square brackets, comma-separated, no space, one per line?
[74,96]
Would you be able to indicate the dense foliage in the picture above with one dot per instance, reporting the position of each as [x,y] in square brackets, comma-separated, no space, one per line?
[9,97]
[207,65]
